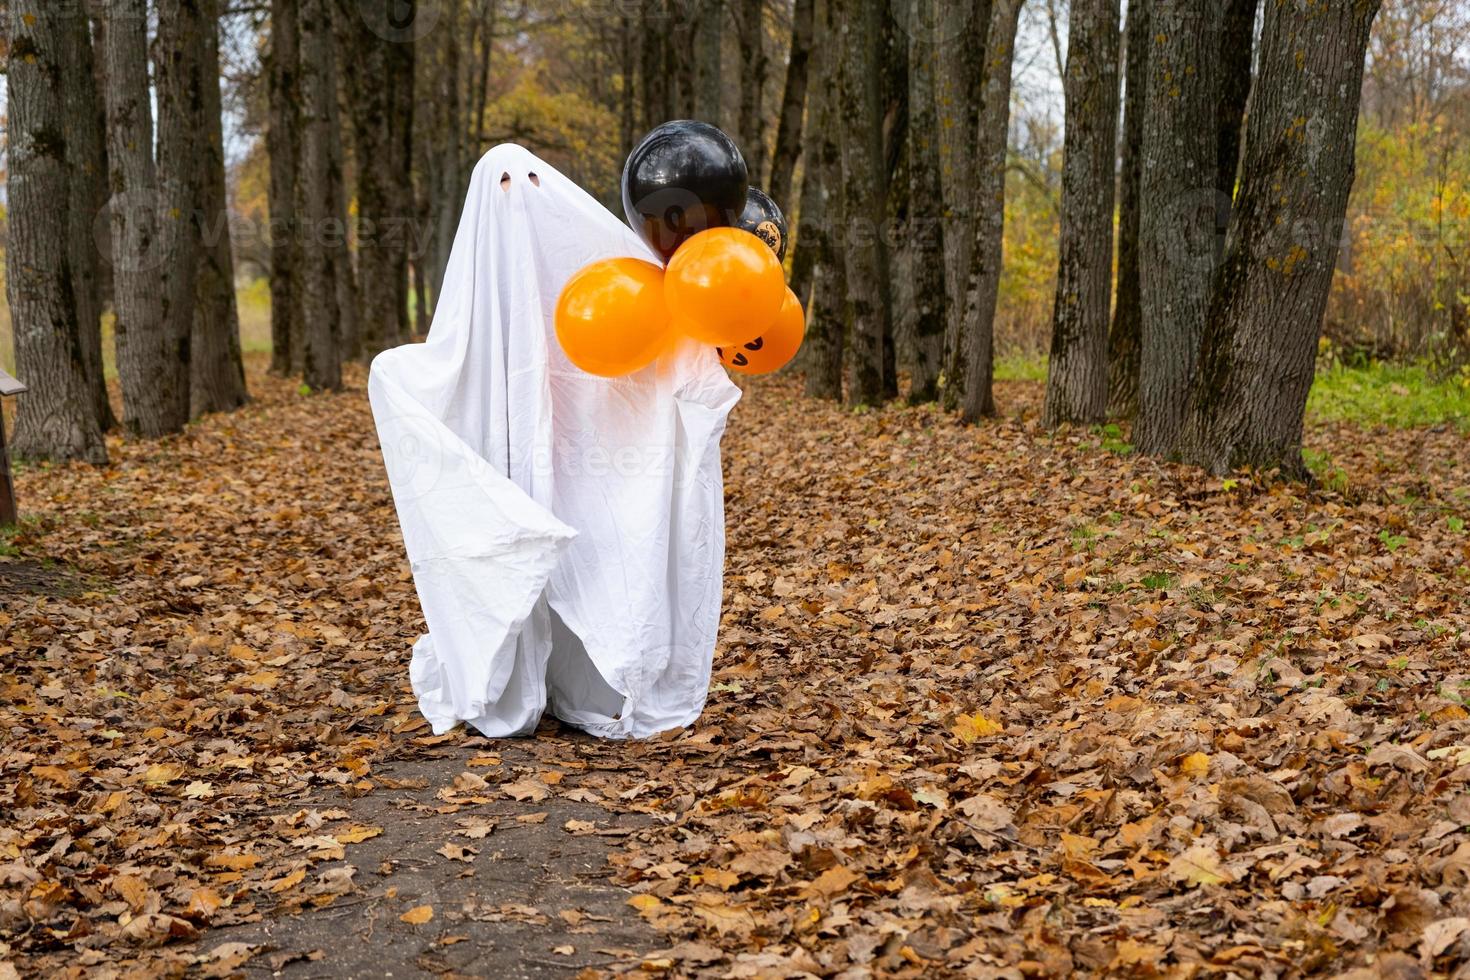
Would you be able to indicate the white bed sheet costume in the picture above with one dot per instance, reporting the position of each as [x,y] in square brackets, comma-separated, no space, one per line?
[566,531]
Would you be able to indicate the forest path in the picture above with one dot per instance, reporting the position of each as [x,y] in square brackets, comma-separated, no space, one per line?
[516,889]
[984,696]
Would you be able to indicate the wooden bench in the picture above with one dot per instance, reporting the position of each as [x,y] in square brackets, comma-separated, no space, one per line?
[8,386]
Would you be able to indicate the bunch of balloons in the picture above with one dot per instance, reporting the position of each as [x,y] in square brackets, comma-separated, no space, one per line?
[686,193]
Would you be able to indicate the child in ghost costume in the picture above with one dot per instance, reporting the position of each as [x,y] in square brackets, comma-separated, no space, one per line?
[566,531]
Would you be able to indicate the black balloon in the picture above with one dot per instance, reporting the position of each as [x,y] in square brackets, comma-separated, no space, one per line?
[684,177]
[763,219]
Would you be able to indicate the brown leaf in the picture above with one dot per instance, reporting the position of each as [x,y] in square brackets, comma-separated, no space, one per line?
[418,915]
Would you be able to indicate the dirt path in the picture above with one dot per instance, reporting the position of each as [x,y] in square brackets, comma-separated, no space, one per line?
[517,890]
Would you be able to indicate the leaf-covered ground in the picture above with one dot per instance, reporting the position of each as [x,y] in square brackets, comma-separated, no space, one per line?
[986,700]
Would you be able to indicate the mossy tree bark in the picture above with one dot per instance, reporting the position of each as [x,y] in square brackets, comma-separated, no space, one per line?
[1077,371]
[1178,248]
[1259,350]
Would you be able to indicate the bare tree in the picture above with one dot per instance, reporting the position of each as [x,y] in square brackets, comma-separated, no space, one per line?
[1237,34]
[926,205]
[1177,241]
[1077,371]
[178,55]
[150,368]
[750,39]
[398,79]
[709,30]
[863,170]
[822,220]
[971,366]
[654,44]
[1125,338]
[793,104]
[216,373]
[961,32]
[322,365]
[283,145]
[86,151]
[344,276]
[368,97]
[58,418]
[1259,350]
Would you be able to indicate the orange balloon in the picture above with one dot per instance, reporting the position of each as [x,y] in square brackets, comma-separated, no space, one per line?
[774,348]
[724,286]
[610,317]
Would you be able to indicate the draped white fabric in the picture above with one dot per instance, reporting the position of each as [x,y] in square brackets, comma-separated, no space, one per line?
[566,531]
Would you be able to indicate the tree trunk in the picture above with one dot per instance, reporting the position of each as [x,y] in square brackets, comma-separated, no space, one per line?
[216,373]
[1260,347]
[447,193]
[1176,234]
[420,300]
[1237,33]
[399,209]
[926,205]
[863,168]
[961,30]
[322,366]
[811,233]
[101,237]
[893,104]
[750,38]
[349,339]
[709,31]
[653,40]
[283,145]
[821,215]
[1125,340]
[627,101]
[86,151]
[57,418]
[793,104]
[146,367]
[972,362]
[368,100]
[1077,372]
[178,55]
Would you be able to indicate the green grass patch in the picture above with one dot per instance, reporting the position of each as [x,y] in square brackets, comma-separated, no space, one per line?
[1400,396]
[1020,367]
[254,303]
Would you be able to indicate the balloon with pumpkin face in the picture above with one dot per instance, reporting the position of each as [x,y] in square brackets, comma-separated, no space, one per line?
[776,345]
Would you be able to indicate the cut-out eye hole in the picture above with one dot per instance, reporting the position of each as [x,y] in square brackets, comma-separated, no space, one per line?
[505,182]
[534,179]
